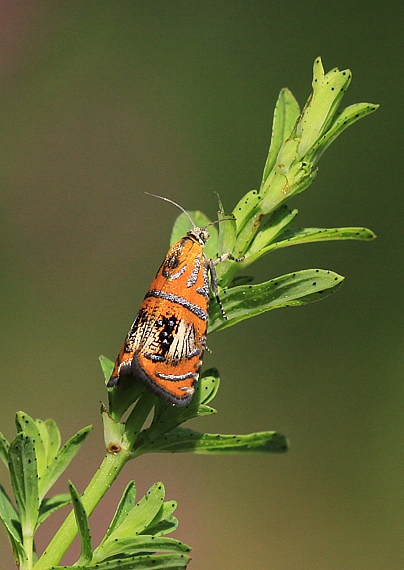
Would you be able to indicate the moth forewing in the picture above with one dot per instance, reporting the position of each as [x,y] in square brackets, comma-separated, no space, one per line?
[165,345]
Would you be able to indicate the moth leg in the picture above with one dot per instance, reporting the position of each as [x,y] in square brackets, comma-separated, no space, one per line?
[213,277]
[227,257]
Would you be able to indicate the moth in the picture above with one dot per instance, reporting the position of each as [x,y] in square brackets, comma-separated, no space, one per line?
[165,345]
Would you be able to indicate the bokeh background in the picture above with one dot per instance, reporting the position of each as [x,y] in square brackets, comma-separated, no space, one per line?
[102,101]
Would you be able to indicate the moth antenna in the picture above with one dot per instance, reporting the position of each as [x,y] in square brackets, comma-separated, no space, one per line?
[175,204]
[222,220]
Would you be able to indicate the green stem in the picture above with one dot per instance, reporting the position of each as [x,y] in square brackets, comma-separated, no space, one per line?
[28,539]
[109,470]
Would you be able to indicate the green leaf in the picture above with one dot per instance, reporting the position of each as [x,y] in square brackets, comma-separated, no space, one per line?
[138,545]
[9,517]
[186,440]
[348,116]
[157,562]
[62,460]
[328,90]
[125,505]
[51,505]
[114,433]
[54,439]
[285,116]
[30,427]
[182,225]
[248,215]
[227,232]
[311,235]
[107,367]
[273,227]
[122,536]
[83,526]
[294,289]
[24,479]
[307,235]
[138,416]
[165,526]
[142,514]
[163,522]
[4,447]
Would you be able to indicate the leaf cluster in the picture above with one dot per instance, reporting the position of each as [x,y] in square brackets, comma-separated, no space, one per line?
[261,222]
[35,460]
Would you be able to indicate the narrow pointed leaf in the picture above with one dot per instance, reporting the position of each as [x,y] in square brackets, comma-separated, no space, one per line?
[248,214]
[294,289]
[44,435]
[4,447]
[30,427]
[273,227]
[348,116]
[114,432]
[285,116]
[9,517]
[83,526]
[186,440]
[107,367]
[24,479]
[54,439]
[227,233]
[306,235]
[62,460]
[156,562]
[142,514]
[309,235]
[166,526]
[138,544]
[52,504]
[164,522]
[138,417]
[322,105]
[125,505]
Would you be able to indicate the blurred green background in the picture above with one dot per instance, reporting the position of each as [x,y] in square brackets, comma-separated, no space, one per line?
[102,101]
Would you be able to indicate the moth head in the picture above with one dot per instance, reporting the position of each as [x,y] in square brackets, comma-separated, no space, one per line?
[201,235]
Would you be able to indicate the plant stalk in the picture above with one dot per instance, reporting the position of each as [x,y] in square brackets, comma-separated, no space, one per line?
[109,470]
